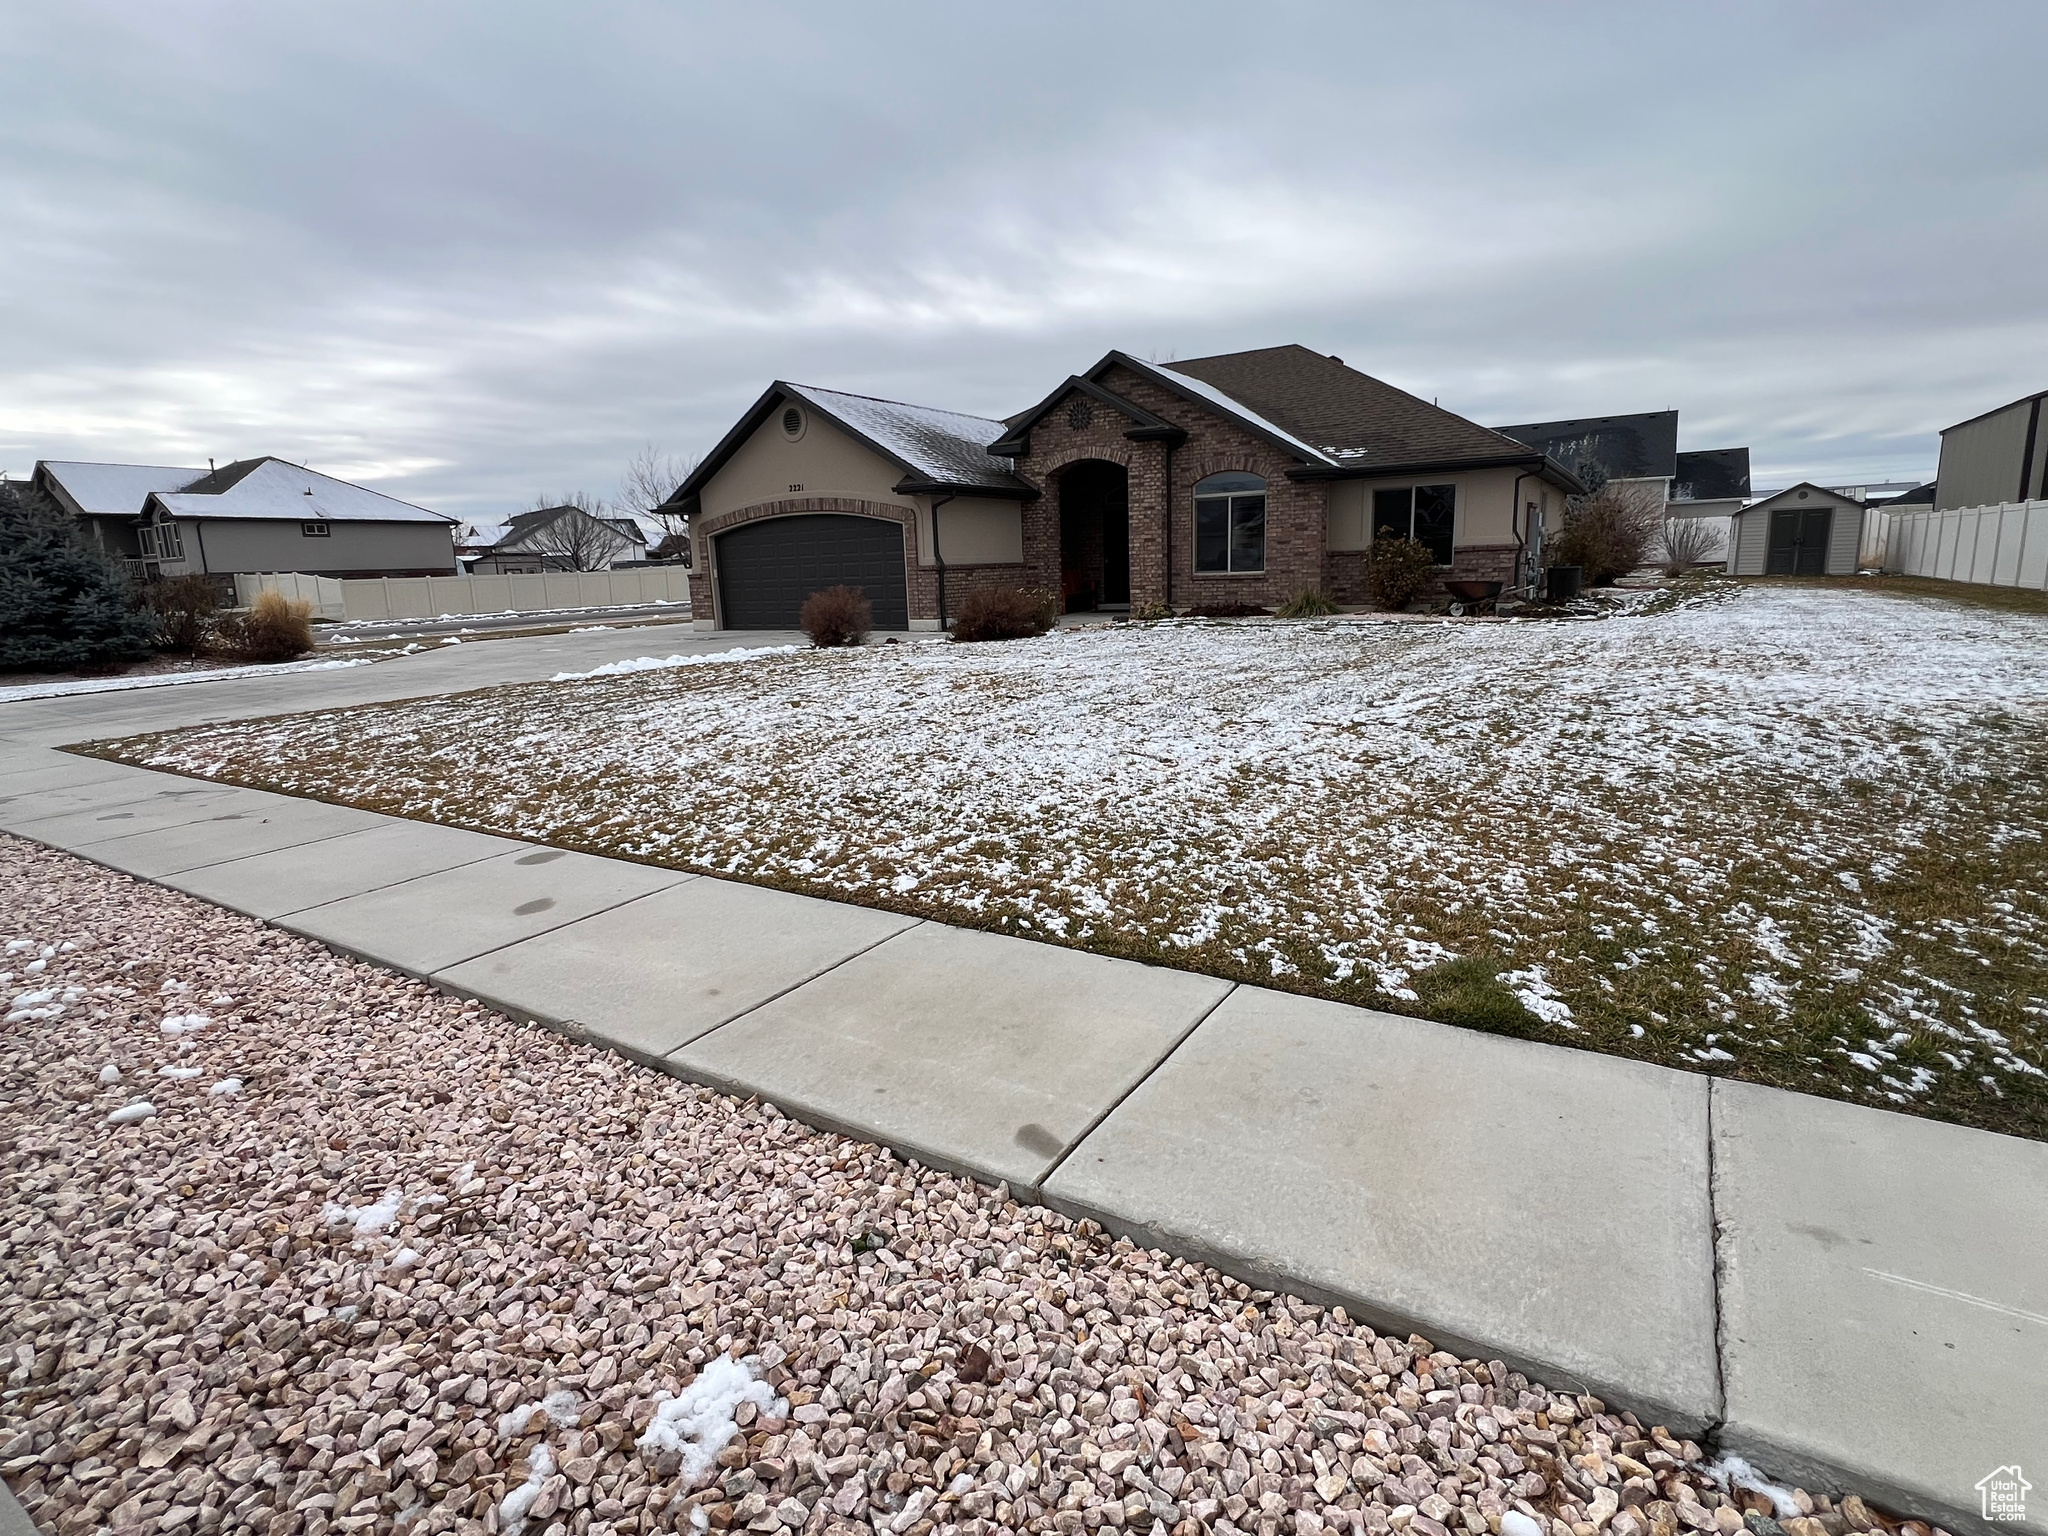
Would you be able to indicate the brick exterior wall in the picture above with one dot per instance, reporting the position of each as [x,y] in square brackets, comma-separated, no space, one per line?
[922,581]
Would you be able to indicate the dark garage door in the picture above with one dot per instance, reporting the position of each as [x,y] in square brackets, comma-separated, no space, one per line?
[767,569]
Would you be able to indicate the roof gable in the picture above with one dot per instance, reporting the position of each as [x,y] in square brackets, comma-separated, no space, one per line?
[1805,491]
[936,450]
[1343,416]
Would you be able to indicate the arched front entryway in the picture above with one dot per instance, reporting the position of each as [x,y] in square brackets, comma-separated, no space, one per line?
[1095,535]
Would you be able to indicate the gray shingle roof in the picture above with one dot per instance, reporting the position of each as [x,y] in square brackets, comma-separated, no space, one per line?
[276,489]
[1345,417]
[115,490]
[1643,446]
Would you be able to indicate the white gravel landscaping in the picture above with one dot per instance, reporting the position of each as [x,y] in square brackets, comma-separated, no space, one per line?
[430,1270]
[1794,834]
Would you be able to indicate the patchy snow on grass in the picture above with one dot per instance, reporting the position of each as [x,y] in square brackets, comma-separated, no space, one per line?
[1645,821]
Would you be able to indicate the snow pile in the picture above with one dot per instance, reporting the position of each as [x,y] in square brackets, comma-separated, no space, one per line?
[185,1023]
[512,1511]
[131,1114]
[699,1424]
[368,1220]
[1537,995]
[665,663]
[1733,1469]
[110,1073]
[226,1088]
[1514,1523]
[563,1407]
[42,1003]
[178,1072]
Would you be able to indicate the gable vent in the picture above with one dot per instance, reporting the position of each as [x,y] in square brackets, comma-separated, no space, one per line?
[792,423]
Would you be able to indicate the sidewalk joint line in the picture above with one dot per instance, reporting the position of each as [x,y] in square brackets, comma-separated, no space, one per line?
[1711,1433]
[794,986]
[1142,1078]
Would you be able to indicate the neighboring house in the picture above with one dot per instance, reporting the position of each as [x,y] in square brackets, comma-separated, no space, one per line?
[1804,530]
[1640,453]
[107,498]
[1997,457]
[551,539]
[1245,477]
[253,515]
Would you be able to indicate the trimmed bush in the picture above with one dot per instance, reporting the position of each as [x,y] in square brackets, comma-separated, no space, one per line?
[183,609]
[1014,614]
[1397,571]
[837,616]
[1308,603]
[274,628]
[62,605]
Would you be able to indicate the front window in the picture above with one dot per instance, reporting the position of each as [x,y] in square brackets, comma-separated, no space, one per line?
[1424,513]
[1230,523]
[313,530]
[161,541]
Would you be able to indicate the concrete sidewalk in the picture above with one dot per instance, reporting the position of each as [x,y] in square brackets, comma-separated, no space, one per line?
[1850,1298]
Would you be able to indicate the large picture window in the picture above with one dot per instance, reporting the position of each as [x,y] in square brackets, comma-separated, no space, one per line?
[1230,523]
[1428,514]
[161,541]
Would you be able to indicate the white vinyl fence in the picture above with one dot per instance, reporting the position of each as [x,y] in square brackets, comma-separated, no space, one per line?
[428,597]
[2002,546]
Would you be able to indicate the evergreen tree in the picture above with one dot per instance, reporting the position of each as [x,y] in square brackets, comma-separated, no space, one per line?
[62,604]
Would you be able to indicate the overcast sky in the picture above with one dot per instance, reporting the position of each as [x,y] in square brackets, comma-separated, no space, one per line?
[472,252]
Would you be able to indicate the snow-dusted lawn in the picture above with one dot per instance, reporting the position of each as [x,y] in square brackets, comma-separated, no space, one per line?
[1790,833]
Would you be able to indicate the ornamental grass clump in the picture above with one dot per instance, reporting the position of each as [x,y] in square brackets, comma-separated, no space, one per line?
[1006,614]
[273,628]
[837,616]
[1308,603]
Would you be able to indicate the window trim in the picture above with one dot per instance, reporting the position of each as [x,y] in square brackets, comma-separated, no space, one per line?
[316,530]
[161,541]
[1229,500]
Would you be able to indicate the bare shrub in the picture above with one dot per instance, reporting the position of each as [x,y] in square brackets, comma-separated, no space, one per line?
[839,615]
[1012,614]
[1308,603]
[1396,571]
[273,628]
[1150,613]
[1227,611]
[1687,542]
[183,609]
[1607,534]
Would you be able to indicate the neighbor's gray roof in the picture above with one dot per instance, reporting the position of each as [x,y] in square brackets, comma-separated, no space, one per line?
[114,490]
[1638,447]
[946,447]
[275,488]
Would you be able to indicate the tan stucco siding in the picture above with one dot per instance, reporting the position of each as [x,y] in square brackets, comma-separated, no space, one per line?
[1485,505]
[973,530]
[274,545]
[823,462]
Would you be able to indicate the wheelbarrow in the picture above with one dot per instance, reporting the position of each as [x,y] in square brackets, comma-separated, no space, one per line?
[1472,596]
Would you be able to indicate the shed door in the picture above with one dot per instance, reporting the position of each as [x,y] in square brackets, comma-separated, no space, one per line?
[767,569]
[1799,541]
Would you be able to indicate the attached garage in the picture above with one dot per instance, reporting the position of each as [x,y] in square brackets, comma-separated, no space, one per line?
[767,568]
[1803,531]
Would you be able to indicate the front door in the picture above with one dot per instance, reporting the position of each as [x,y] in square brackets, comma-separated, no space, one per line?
[1799,541]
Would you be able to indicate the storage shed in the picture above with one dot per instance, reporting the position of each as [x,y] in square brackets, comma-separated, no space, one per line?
[1804,530]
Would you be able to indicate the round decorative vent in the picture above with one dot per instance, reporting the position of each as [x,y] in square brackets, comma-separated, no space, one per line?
[1079,414]
[792,423]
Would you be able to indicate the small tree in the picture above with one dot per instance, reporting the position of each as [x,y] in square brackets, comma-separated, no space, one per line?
[1688,542]
[1609,533]
[579,539]
[62,604]
[650,478]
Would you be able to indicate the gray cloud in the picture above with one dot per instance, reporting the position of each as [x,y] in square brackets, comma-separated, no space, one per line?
[471,251]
